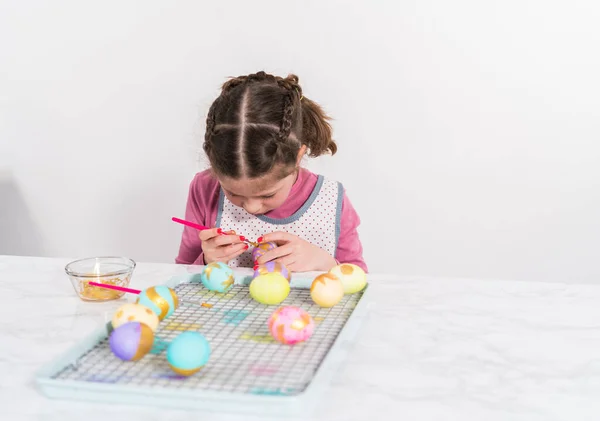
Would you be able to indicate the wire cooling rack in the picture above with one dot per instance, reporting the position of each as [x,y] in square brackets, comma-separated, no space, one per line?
[246,365]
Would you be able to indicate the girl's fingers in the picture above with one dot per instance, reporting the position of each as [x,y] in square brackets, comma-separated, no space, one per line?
[235,253]
[233,250]
[223,240]
[279,238]
[288,261]
[275,254]
[206,235]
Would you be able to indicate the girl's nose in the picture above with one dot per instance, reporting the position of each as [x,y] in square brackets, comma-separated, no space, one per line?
[252,206]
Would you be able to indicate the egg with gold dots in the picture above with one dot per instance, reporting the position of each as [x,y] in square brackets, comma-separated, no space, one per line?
[352,276]
[217,277]
[188,353]
[131,341]
[161,299]
[326,290]
[269,289]
[131,312]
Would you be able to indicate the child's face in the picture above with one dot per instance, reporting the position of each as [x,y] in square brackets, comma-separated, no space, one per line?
[259,195]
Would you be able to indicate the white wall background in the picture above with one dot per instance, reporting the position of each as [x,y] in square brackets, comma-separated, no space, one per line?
[469,131]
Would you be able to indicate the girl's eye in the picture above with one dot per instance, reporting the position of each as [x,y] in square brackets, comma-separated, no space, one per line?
[268,197]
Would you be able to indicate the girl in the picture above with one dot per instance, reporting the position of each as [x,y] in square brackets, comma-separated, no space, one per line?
[257,132]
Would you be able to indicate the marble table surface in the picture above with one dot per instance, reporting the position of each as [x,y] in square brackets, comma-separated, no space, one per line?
[431,349]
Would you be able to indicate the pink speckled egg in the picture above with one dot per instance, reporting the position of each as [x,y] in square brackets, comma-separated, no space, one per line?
[290,325]
[261,249]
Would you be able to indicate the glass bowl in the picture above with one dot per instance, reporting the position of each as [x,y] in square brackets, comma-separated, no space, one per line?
[104,270]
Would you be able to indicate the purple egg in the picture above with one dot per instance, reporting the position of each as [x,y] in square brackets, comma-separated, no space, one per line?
[262,248]
[131,341]
[271,267]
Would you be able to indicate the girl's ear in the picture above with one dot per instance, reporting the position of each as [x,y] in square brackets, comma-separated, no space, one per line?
[301,153]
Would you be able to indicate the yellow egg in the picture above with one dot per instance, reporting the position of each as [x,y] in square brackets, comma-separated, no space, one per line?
[270,288]
[326,290]
[135,313]
[353,277]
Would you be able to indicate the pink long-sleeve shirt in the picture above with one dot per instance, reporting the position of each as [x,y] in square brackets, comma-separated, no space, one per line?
[202,208]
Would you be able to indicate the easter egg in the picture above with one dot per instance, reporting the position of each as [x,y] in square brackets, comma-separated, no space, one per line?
[217,277]
[131,341]
[273,267]
[135,313]
[353,277]
[290,325]
[160,299]
[270,289]
[188,353]
[261,249]
[326,290]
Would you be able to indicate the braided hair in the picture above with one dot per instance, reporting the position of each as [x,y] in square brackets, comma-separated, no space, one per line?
[261,120]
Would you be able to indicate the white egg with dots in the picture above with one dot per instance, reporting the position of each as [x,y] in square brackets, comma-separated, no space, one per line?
[131,312]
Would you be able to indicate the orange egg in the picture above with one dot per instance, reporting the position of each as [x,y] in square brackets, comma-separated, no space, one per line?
[326,290]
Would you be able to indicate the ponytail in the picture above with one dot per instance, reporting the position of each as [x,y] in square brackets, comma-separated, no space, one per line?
[316,130]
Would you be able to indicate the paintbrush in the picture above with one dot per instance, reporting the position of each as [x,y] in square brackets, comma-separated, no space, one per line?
[137,291]
[202,227]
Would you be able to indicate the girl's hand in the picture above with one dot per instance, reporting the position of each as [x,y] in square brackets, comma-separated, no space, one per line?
[221,248]
[296,254]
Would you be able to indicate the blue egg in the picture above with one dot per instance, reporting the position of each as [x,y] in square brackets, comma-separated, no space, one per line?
[217,277]
[188,353]
[160,299]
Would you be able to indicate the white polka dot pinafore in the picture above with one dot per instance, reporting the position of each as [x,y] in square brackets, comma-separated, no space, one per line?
[317,221]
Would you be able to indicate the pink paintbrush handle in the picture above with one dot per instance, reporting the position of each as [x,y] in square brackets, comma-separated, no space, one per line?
[116,288]
[189,224]
[137,291]
[202,227]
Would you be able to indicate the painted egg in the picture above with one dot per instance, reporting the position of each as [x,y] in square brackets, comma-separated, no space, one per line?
[326,290]
[269,289]
[217,277]
[135,313]
[261,249]
[188,353]
[131,341]
[353,277]
[290,325]
[273,267]
[160,299]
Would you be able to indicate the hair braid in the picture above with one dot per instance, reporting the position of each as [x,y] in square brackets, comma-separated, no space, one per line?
[287,120]
[241,80]
[294,92]
[210,126]
[232,83]
[291,85]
